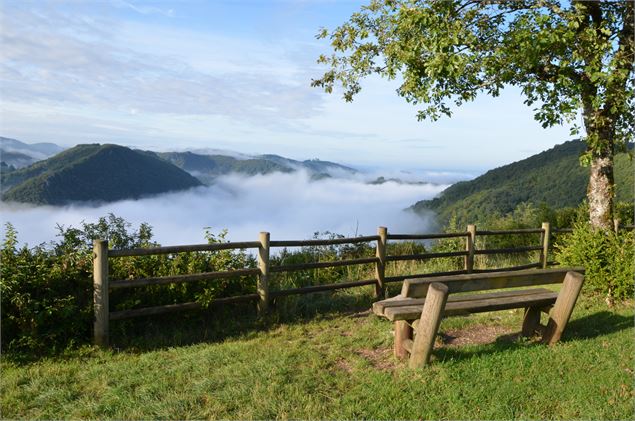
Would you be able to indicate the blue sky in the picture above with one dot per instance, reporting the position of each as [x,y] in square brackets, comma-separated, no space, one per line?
[228,75]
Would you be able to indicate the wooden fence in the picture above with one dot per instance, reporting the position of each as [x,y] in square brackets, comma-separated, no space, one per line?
[102,284]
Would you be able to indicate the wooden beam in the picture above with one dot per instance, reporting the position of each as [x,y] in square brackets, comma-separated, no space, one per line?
[263,279]
[100,293]
[470,246]
[380,264]
[161,280]
[531,320]
[428,325]
[455,308]
[563,307]
[403,333]
[546,239]
[183,249]
[417,288]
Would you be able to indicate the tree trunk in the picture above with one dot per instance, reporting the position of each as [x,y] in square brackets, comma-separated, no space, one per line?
[600,192]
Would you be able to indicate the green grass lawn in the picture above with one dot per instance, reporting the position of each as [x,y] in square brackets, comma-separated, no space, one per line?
[340,365]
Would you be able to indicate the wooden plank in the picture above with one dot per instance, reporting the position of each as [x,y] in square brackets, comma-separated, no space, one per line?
[380,264]
[429,326]
[564,307]
[399,301]
[531,320]
[100,293]
[454,308]
[426,236]
[183,249]
[319,288]
[508,232]
[417,288]
[546,241]
[171,308]
[508,250]
[470,245]
[407,345]
[318,265]
[262,285]
[424,256]
[403,334]
[421,275]
[162,280]
[326,242]
[509,268]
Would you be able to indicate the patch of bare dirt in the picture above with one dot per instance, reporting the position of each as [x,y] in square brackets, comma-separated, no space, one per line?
[379,358]
[477,335]
[344,365]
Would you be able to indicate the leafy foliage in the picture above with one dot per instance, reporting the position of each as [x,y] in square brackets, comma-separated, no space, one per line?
[608,258]
[47,291]
[566,56]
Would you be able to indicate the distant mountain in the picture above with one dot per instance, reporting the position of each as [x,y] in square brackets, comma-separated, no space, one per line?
[19,154]
[94,173]
[208,167]
[315,166]
[553,177]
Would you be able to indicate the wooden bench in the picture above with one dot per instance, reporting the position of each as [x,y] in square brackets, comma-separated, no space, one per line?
[423,302]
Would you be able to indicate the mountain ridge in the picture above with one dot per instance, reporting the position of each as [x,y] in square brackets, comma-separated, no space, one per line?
[553,177]
[96,173]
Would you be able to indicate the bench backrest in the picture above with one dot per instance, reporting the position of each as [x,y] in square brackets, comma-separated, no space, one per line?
[418,288]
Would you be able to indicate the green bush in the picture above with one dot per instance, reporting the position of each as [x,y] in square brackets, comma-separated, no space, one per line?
[47,291]
[608,258]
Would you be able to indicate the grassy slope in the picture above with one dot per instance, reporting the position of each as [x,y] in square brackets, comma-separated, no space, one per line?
[341,366]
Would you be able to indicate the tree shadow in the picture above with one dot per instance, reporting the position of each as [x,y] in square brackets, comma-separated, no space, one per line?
[587,327]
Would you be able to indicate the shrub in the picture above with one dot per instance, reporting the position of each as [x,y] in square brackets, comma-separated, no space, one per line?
[608,258]
[47,292]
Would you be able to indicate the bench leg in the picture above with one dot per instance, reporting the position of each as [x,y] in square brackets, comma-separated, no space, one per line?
[563,307]
[531,321]
[428,325]
[403,331]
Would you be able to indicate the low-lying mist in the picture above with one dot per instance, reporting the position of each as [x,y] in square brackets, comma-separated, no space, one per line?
[289,206]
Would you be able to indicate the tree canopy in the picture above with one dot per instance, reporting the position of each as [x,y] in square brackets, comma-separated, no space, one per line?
[567,57]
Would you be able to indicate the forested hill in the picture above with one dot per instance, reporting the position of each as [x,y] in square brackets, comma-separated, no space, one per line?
[94,172]
[207,167]
[553,177]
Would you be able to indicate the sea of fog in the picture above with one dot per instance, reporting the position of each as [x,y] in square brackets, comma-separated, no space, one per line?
[289,206]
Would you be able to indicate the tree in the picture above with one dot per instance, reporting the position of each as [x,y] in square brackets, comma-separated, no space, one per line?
[568,57]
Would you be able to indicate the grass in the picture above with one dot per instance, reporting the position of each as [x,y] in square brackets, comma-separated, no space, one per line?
[327,363]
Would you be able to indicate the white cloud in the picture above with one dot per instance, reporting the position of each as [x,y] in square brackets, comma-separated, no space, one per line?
[49,58]
[287,205]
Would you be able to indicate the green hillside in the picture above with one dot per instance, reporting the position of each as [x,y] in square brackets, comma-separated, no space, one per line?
[553,177]
[94,173]
[208,167]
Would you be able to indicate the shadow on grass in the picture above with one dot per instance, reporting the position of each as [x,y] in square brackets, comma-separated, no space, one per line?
[587,327]
[221,323]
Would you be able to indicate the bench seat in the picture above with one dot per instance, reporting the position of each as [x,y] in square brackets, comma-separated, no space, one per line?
[410,308]
[417,312]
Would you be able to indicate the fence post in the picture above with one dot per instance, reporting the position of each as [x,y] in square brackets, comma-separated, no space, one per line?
[469,247]
[546,239]
[263,278]
[380,265]
[100,292]
[616,225]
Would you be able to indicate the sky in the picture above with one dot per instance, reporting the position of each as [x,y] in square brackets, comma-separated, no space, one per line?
[231,75]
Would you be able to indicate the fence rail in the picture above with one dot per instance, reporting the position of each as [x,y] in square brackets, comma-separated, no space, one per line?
[102,285]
